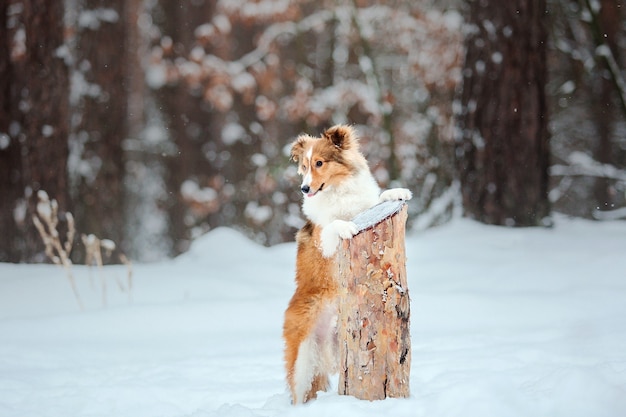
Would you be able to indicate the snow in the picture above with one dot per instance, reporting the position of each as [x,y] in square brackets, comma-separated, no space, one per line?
[47,130]
[79,86]
[18,47]
[258,213]
[232,132]
[505,322]
[45,206]
[582,164]
[259,159]
[5,141]
[376,214]
[91,18]
[496,58]
[222,23]
[197,54]
[567,87]
[480,66]
[243,82]
[205,30]
[616,214]
[156,76]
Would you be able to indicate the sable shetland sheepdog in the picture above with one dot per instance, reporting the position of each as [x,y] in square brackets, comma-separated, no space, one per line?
[337,185]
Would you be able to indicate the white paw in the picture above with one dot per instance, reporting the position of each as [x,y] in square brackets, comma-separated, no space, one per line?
[332,233]
[396,194]
[345,229]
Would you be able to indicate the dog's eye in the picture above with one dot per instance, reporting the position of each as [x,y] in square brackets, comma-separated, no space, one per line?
[319,164]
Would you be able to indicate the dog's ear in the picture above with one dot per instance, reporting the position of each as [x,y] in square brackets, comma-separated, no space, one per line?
[297,147]
[342,136]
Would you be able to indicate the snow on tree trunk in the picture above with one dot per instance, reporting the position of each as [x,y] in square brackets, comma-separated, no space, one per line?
[374,338]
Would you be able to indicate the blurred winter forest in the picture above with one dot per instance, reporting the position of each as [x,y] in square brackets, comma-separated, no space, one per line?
[154,121]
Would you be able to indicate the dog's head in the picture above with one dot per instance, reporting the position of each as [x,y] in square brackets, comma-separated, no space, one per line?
[326,161]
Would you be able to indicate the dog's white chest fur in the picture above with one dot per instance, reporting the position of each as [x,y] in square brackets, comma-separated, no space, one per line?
[344,201]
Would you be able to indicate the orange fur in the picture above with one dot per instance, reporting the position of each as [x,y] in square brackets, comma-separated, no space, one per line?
[316,287]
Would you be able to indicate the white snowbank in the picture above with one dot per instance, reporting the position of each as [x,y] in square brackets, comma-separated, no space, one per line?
[505,322]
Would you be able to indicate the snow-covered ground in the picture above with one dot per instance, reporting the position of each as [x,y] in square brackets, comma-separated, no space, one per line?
[505,322]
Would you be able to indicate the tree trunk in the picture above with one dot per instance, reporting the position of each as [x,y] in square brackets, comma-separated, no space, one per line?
[10,149]
[33,122]
[605,25]
[188,120]
[101,112]
[503,150]
[374,337]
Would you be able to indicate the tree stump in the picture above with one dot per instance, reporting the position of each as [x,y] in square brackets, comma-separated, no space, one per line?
[374,307]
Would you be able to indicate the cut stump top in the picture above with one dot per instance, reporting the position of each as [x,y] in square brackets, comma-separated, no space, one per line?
[372,216]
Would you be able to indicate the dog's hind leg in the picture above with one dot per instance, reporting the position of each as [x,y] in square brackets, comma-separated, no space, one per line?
[319,383]
[304,371]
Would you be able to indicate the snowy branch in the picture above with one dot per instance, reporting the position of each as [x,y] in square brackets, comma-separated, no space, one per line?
[616,75]
[451,197]
[274,31]
[617,214]
[582,164]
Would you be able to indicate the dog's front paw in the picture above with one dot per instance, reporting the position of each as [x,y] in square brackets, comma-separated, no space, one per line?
[345,229]
[332,233]
[395,194]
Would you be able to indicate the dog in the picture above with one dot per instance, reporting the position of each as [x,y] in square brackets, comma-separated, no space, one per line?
[337,184]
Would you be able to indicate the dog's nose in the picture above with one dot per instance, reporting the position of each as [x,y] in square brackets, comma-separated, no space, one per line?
[305,189]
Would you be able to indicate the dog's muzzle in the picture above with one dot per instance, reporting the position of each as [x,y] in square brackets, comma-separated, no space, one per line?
[306,190]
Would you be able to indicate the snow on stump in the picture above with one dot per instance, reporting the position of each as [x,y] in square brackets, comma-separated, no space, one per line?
[374,308]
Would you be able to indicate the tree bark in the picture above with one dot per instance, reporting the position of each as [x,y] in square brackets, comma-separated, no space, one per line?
[102,121]
[10,150]
[188,119]
[374,308]
[604,26]
[33,122]
[503,148]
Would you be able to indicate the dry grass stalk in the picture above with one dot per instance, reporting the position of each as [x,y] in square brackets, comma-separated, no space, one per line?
[94,250]
[93,255]
[129,275]
[46,221]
